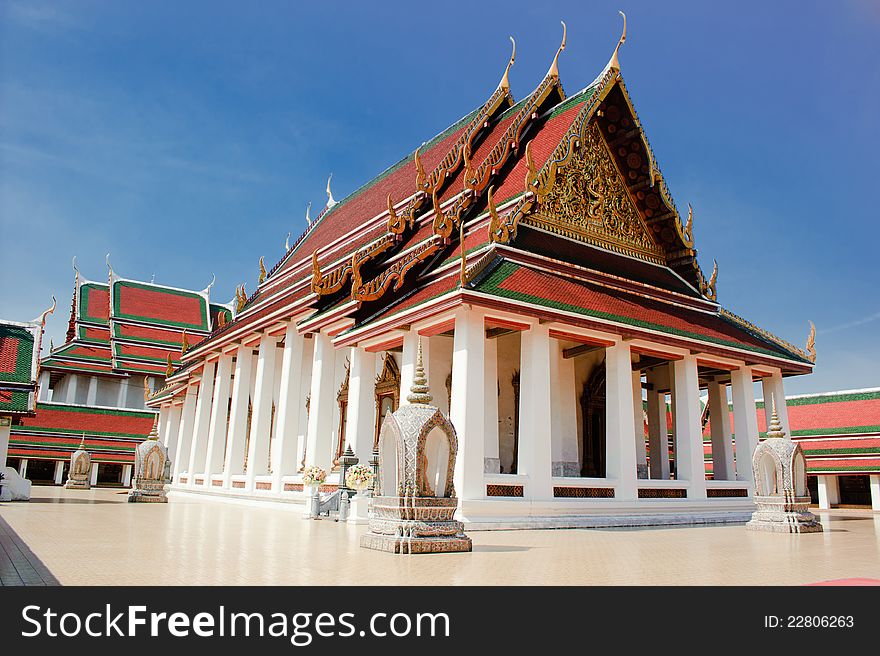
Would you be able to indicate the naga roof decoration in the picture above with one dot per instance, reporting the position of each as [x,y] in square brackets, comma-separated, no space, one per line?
[569,179]
[131,327]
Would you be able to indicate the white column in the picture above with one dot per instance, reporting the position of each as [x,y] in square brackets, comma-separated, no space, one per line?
[72,380]
[563,413]
[289,409]
[261,412]
[93,479]
[535,449]
[361,419]
[620,445]
[408,362]
[722,441]
[322,406]
[439,367]
[171,429]
[276,399]
[772,386]
[59,472]
[492,458]
[202,421]
[185,432]
[5,430]
[217,424]
[122,394]
[305,392]
[22,467]
[639,426]
[92,395]
[44,386]
[468,384]
[745,421]
[126,475]
[875,491]
[658,435]
[241,391]
[689,461]
[829,491]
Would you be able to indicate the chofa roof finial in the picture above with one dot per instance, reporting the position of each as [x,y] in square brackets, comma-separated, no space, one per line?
[330,200]
[419,391]
[309,209]
[614,62]
[505,79]
[811,343]
[554,67]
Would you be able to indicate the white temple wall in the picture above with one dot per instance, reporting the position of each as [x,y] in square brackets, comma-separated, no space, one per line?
[108,392]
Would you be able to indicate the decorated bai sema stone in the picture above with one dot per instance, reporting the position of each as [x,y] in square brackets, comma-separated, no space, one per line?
[781,485]
[80,468]
[415,500]
[149,479]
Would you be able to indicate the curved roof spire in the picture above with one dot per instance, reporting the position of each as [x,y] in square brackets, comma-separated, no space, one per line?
[75,270]
[107,261]
[554,67]
[505,80]
[309,209]
[614,62]
[330,200]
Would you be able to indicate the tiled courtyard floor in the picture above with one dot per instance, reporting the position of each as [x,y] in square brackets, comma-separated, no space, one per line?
[95,537]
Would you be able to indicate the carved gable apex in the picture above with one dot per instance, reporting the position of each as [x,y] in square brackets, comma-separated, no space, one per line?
[589,202]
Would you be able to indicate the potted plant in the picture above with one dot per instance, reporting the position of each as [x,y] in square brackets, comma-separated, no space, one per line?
[359,477]
[313,477]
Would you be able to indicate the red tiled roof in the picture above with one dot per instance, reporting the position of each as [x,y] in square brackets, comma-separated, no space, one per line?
[94,302]
[518,282]
[371,199]
[60,419]
[160,305]
[152,334]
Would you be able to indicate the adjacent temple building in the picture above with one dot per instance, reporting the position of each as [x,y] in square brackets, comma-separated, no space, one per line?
[535,249]
[123,338]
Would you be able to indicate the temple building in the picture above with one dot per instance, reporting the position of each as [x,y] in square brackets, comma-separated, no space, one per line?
[840,435]
[19,369]
[122,338]
[535,249]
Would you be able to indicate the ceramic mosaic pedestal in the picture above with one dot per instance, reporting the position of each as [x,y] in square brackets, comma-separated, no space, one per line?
[415,525]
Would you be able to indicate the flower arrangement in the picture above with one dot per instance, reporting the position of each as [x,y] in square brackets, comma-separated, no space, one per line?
[314,475]
[359,477]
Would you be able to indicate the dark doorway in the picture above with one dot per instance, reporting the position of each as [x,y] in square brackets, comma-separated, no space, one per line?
[41,472]
[593,413]
[109,474]
[854,490]
[813,489]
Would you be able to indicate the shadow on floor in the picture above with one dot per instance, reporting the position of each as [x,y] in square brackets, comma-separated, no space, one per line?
[57,500]
[18,564]
[499,548]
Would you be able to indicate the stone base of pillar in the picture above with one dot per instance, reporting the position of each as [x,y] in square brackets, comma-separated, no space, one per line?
[359,509]
[15,488]
[783,514]
[409,525]
[565,468]
[492,465]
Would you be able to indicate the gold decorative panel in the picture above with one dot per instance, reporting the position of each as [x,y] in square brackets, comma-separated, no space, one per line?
[589,201]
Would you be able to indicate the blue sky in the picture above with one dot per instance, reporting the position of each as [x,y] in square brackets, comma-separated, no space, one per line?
[186,138]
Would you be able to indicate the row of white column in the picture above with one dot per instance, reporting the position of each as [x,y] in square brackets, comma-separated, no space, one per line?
[197,435]
[548,388]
